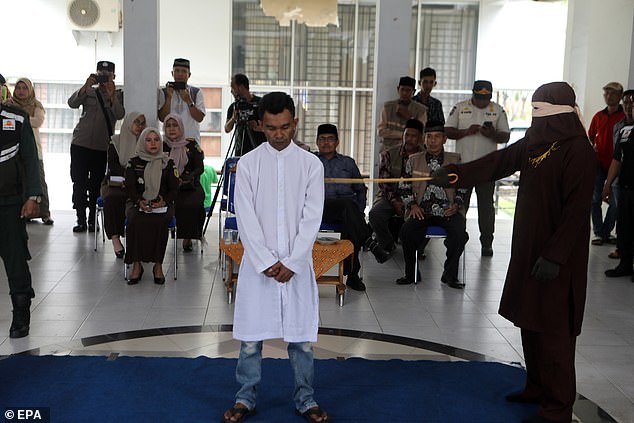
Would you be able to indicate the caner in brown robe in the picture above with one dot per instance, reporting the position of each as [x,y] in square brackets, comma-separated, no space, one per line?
[552,222]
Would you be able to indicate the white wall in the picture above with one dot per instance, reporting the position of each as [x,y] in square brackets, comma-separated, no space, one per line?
[49,51]
[521,43]
[599,49]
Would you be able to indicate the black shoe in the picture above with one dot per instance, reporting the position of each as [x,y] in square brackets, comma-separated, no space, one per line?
[379,253]
[159,281]
[134,281]
[92,228]
[188,247]
[47,221]
[80,227]
[404,281]
[487,252]
[452,281]
[120,254]
[21,316]
[353,282]
[522,397]
[618,271]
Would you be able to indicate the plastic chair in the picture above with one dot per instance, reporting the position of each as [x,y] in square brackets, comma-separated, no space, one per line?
[434,231]
[173,232]
[99,212]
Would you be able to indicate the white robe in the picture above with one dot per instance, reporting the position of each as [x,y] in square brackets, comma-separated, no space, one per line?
[279,199]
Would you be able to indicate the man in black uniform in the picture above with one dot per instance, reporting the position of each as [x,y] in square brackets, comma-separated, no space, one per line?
[623,166]
[20,192]
[244,113]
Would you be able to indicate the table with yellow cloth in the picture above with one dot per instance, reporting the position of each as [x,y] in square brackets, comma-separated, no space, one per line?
[324,258]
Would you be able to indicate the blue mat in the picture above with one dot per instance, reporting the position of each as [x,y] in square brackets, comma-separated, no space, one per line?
[137,389]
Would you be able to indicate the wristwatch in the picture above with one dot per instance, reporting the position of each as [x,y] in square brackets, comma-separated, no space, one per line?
[36,198]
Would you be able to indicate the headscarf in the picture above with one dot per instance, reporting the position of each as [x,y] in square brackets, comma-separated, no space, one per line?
[125,141]
[178,152]
[555,117]
[154,167]
[30,103]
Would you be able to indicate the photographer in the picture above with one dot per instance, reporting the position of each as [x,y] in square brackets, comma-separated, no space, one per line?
[244,113]
[182,99]
[101,106]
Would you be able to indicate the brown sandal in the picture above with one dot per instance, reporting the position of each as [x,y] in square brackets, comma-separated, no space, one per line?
[242,413]
[313,413]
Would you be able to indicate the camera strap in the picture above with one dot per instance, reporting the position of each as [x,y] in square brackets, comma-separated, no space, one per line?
[105,113]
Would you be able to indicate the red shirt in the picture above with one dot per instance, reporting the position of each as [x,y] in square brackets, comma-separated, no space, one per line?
[601,134]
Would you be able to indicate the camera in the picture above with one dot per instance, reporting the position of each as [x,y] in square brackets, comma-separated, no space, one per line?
[100,79]
[177,85]
[246,111]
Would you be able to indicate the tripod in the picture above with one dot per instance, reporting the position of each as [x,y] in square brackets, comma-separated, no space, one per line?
[242,132]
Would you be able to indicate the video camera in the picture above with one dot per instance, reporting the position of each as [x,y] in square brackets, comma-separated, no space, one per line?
[245,111]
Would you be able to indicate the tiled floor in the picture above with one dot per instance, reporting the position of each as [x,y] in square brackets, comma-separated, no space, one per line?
[81,293]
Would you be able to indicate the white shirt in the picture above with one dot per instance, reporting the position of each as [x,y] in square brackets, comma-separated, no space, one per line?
[179,107]
[279,199]
[465,114]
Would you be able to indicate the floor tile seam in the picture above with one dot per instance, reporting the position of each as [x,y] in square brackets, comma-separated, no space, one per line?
[211,292]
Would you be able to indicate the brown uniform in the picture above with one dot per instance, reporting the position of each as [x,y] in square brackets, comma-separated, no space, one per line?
[551,221]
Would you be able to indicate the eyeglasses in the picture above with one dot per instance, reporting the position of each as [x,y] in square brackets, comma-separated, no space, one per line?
[139,122]
[327,139]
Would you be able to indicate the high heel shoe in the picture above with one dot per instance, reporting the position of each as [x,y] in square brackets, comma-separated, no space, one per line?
[158,280]
[120,254]
[134,281]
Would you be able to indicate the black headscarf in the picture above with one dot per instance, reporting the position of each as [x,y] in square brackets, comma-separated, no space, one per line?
[561,127]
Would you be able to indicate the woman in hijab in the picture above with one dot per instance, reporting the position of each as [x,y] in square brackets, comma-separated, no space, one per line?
[24,98]
[545,287]
[152,185]
[188,159]
[121,149]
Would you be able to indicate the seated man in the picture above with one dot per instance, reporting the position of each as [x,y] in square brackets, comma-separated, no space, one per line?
[389,201]
[429,204]
[344,203]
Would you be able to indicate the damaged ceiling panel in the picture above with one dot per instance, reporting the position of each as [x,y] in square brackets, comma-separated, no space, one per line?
[309,12]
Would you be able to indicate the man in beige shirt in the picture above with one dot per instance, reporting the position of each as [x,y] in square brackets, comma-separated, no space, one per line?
[395,113]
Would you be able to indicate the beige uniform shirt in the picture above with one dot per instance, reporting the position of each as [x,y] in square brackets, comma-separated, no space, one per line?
[392,125]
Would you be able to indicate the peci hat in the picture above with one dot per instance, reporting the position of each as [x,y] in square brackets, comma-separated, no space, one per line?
[434,127]
[614,86]
[327,128]
[181,62]
[105,65]
[482,88]
[407,81]
[415,124]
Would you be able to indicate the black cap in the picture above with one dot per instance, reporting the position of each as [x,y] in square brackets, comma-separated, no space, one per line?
[482,88]
[414,123]
[105,65]
[434,127]
[407,81]
[181,62]
[327,128]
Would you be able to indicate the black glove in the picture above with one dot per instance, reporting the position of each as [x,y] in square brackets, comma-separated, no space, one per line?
[440,178]
[545,270]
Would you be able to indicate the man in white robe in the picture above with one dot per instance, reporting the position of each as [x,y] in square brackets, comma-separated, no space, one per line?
[279,198]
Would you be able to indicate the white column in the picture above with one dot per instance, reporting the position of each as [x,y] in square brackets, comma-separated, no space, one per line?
[391,56]
[599,49]
[141,57]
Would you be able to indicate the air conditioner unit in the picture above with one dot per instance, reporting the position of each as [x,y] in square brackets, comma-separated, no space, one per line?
[94,15]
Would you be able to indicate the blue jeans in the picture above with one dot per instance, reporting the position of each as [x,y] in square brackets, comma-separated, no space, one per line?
[249,373]
[602,228]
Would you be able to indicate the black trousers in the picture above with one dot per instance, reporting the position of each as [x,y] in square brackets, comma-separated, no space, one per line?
[550,372]
[345,212]
[486,211]
[625,225]
[87,169]
[413,234]
[14,250]
[380,214]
